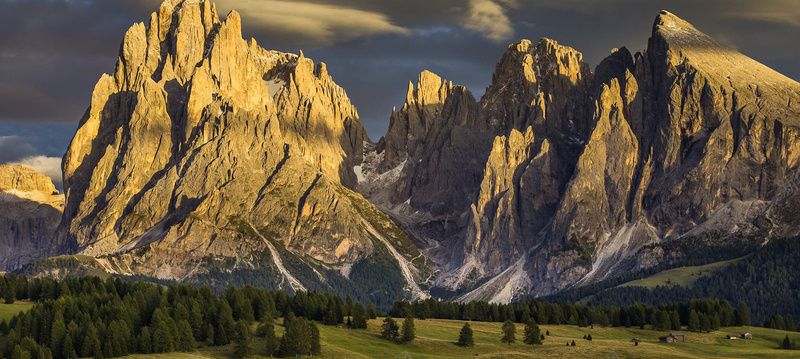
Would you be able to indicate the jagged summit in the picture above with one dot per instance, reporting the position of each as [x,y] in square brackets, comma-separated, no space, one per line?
[205,153]
[30,209]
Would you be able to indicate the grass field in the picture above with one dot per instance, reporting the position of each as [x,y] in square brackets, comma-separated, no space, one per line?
[9,310]
[684,276]
[436,339]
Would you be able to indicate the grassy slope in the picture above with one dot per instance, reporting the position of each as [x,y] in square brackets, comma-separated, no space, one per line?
[9,310]
[684,276]
[436,339]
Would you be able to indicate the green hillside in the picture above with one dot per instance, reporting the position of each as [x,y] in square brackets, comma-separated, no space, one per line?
[436,339]
[9,310]
[683,276]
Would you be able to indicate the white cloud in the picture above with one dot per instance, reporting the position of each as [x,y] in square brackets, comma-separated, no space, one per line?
[321,24]
[489,18]
[48,166]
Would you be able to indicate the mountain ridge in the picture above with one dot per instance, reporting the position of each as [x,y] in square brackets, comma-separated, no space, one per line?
[194,165]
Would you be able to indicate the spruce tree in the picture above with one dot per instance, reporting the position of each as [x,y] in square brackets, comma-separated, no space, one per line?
[295,340]
[226,326]
[10,294]
[408,333]
[19,353]
[315,347]
[675,320]
[243,342]
[359,317]
[389,328]
[786,344]
[743,315]
[145,341]
[705,324]
[589,337]
[331,315]
[371,312]
[573,343]
[694,322]
[509,332]
[68,351]
[532,333]
[57,334]
[271,340]
[186,340]
[465,336]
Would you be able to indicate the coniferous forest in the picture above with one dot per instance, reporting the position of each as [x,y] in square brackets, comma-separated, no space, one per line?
[92,317]
[768,281]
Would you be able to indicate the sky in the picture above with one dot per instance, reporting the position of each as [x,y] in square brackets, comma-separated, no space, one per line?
[52,52]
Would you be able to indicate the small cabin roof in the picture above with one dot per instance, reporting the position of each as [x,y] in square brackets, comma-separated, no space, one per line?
[677,334]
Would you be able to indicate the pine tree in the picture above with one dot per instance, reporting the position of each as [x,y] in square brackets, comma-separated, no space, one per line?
[743,315]
[675,320]
[145,341]
[509,332]
[705,324]
[389,329]
[186,340]
[243,342]
[57,334]
[694,322]
[271,340]
[226,326]
[573,343]
[662,320]
[331,315]
[371,312]
[19,353]
[465,336]
[163,342]
[359,317]
[315,347]
[532,333]
[786,344]
[408,333]
[68,350]
[10,294]
[91,344]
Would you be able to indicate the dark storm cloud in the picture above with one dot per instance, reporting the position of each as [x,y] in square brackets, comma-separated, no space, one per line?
[53,51]
[15,148]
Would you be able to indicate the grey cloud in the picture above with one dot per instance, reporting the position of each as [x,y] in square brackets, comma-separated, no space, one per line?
[313,23]
[15,148]
[53,51]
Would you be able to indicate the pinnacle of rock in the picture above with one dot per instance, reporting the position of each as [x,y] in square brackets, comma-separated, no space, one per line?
[204,145]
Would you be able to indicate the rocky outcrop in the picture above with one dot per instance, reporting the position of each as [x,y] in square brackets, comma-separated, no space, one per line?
[587,175]
[204,145]
[30,211]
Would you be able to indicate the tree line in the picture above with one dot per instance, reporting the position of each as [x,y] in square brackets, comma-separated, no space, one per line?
[697,314]
[768,281]
[104,318]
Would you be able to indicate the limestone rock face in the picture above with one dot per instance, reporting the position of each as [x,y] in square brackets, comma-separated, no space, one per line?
[30,211]
[204,145]
[586,175]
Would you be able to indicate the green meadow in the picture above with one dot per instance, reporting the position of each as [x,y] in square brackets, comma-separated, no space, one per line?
[436,339]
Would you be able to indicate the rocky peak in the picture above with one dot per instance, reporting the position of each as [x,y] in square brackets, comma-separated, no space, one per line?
[421,111]
[204,145]
[30,211]
[15,178]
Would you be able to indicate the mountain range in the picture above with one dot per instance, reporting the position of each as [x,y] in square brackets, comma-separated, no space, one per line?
[205,158]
